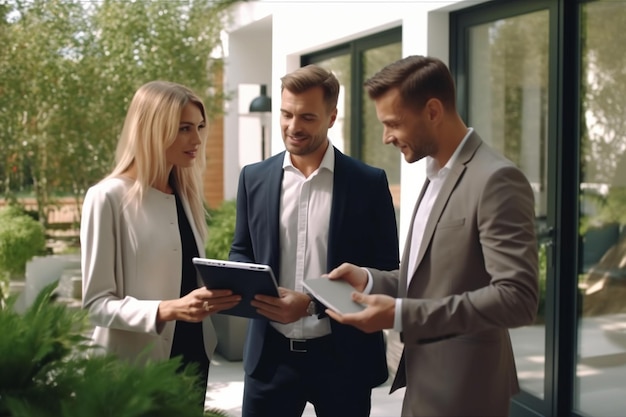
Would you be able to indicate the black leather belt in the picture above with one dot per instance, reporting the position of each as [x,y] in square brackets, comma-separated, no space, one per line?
[297,345]
[323,343]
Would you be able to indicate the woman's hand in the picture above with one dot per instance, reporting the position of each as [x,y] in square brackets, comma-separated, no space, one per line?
[197,305]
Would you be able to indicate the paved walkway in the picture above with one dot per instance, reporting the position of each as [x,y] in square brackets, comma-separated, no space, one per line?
[225,391]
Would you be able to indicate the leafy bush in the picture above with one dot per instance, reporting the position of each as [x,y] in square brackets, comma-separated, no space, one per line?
[221,223]
[21,238]
[45,372]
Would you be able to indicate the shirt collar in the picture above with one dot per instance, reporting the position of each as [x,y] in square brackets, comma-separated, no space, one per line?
[432,167]
[328,161]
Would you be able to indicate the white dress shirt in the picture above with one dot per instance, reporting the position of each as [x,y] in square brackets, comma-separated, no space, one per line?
[305,206]
[436,177]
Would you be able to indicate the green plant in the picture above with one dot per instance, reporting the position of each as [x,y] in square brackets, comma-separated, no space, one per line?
[221,224]
[21,238]
[45,371]
[543,264]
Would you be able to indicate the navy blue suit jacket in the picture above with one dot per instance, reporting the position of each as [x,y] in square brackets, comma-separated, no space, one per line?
[362,231]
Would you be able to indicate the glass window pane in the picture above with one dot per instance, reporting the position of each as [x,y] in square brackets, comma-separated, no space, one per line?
[373,151]
[508,102]
[339,134]
[601,384]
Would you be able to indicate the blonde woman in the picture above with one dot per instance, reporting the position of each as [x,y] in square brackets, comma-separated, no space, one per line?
[140,228]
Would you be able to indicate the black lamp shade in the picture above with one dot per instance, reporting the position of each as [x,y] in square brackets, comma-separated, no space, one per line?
[261,103]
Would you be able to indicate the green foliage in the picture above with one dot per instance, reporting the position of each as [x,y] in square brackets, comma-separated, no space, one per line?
[543,264]
[603,101]
[69,69]
[45,371]
[21,238]
[221,223]
[32,349]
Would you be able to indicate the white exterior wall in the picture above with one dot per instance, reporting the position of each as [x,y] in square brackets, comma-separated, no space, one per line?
[267,38]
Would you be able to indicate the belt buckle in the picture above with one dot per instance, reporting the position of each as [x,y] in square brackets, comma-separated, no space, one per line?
[293,345]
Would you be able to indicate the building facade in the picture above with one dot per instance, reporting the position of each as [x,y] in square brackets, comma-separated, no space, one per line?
[544,82]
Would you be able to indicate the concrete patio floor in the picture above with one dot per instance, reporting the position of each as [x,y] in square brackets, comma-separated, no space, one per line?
[225,391]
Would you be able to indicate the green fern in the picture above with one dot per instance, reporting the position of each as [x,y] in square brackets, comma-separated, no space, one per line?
[45,371]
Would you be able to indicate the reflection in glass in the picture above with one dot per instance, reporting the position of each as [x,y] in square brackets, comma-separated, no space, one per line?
[339,134]
[508,101]
[373,150]
[601,369]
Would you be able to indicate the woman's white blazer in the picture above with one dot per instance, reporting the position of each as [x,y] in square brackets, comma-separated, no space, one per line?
[131,258]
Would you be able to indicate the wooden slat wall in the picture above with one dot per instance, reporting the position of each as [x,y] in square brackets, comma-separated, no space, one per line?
[214,174]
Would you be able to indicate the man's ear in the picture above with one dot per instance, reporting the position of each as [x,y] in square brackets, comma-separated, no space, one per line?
[434,108]
[333,117]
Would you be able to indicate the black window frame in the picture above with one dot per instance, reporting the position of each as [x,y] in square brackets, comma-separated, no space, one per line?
[562,295]
[355,48]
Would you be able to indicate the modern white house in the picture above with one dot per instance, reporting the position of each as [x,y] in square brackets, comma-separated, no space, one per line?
[267,39]
[540,80]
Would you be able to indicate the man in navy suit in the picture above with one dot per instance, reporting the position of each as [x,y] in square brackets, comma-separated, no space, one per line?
[304,212]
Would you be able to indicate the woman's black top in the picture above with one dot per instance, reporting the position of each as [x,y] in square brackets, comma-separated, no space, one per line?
[188,340]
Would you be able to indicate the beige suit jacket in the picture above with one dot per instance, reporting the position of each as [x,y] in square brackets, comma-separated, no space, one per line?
[131,261]
[476,277]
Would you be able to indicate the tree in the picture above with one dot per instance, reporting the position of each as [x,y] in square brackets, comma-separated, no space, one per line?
[69,69]
[36,94]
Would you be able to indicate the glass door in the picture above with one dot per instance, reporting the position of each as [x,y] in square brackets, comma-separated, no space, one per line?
[508,108]
[502,69]
[600,384]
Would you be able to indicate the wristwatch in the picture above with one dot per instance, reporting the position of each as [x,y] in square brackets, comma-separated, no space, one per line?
[311,309]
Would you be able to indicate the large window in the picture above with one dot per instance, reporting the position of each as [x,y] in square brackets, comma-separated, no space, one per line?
[357,131]
[508,107]
[601,369]
[544,82]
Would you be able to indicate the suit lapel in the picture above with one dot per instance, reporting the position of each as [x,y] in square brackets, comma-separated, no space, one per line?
[438,206]
[468,150]
[338,207]
[404,263]
[274,185]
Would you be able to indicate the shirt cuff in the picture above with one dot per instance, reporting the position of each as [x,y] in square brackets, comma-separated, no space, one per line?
[397,318]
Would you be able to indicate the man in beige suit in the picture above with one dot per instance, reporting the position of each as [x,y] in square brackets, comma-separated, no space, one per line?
[469,268]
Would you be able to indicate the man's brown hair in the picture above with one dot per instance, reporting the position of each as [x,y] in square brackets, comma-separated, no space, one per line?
[311,76]
[418,78]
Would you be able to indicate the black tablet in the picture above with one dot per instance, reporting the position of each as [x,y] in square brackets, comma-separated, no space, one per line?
[245,279]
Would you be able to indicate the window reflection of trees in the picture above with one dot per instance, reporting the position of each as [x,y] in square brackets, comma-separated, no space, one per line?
[508,107]
[509,95]
[509,100]
[603,160]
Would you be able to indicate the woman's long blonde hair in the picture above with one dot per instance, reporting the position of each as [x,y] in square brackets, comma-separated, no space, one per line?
[150,127]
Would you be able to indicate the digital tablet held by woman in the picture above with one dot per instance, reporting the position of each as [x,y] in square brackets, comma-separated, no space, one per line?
[245,279]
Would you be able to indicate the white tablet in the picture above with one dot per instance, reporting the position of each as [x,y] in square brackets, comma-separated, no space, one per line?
[335,294]
[245,279]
